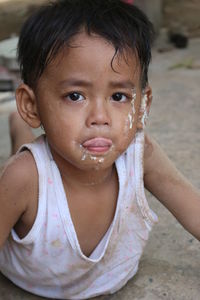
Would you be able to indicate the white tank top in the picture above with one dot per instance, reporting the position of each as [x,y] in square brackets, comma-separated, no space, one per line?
[49,261]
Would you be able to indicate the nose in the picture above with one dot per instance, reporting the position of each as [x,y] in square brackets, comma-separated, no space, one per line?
[99,114]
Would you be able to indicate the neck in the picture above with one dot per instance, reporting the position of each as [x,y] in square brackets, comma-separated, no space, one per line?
[86,179]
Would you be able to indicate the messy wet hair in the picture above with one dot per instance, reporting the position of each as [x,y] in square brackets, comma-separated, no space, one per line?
[51,28]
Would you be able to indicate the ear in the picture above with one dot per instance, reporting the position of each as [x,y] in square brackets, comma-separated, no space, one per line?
[27,106]
[145,105]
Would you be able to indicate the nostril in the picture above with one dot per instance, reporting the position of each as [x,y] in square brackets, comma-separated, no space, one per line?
[98,116]
[96,123]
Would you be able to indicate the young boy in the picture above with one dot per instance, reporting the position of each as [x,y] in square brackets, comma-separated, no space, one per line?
[74,218]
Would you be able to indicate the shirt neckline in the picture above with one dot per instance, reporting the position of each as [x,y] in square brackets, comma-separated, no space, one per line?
[66,215]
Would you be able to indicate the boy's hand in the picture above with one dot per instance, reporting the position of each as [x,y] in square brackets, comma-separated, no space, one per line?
[170,187]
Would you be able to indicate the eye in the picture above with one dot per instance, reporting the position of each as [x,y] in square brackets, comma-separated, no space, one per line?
[74,97]
[119,97]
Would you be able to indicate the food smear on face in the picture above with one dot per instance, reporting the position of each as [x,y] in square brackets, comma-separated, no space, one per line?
[96,149]
[130,120]
[143,110]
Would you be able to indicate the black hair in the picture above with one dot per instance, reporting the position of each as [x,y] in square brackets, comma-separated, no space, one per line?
[50,28]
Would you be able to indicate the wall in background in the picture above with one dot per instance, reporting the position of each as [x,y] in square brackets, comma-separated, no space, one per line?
[183,13]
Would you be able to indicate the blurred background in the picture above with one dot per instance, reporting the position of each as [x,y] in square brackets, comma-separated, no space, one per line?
[167,13]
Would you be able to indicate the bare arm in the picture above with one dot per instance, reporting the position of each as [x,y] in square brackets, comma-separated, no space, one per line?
[171,188]
[15,191]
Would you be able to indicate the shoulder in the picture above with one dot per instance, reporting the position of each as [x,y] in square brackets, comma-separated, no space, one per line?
[18,191]
[159,171]
[156,163]
[19,175]
[19,166]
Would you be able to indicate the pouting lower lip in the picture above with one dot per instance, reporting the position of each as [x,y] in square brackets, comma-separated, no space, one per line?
[98,145]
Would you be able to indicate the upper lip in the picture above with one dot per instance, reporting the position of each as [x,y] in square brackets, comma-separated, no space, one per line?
[97,142]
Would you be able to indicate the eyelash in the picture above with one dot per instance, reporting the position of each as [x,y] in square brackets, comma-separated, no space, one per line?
[73,93]
[127,97]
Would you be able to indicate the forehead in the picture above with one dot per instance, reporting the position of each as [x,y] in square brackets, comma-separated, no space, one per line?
[92,55]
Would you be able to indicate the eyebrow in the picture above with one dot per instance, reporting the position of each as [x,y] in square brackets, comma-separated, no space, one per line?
[85,83]
[122,84]
[75,82]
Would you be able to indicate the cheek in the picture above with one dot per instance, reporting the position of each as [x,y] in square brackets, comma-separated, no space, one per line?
[130,120]
[126,131]
[129,123]
[128,136]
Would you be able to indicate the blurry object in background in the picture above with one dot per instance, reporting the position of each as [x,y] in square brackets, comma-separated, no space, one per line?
[7,102]
[186,13]
[13,13]
[9,74]
[9,67]
[178,39]
[6,80]
[153,9]
[162,43]
[8,54]
[7,87]
[8,83]
[170,38]
[164,13]
[178,36]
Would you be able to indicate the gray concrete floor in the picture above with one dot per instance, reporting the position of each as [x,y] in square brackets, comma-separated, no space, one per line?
[170,266]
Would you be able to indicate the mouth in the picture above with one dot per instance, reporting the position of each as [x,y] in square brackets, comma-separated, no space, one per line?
[97,145]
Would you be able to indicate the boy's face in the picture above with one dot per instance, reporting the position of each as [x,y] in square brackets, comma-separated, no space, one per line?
[88,109]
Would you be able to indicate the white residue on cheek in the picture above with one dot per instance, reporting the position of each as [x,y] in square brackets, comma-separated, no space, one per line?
[130,120]
[143,110]
[133,101]
[84,156]
[144,102]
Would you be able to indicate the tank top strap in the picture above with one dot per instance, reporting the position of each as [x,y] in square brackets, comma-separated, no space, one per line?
[39,149]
